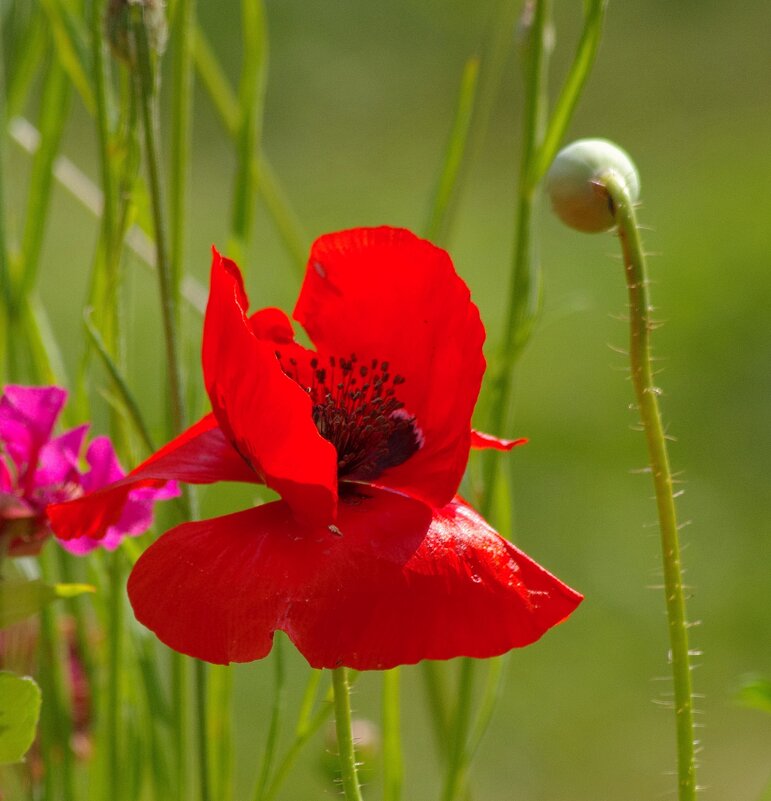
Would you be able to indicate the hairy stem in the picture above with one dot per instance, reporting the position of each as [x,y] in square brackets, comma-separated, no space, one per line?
[349,775]
[647,399]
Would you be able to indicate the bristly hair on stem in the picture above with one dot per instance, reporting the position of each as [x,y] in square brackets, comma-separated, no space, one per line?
[647,393]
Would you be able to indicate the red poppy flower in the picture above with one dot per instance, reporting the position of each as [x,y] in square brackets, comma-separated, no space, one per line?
[369,559]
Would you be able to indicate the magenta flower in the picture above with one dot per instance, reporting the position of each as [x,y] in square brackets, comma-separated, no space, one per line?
[37,469]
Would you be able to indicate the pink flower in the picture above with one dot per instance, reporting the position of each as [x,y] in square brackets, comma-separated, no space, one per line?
[37,469]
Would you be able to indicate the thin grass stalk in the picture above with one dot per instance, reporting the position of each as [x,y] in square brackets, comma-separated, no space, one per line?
[522,308]
[46,365]
[572,88]
[56,720]
[70,38]
[6,349]
[479,88]
[146,92]
[181,129]
[435,685]
[448,186]
[181,133]
[200,670]
[251,98]
[27,58]
[274,727]
[308,723]
[114,731]
[80,186]
[147,95]
[393,764]
[274,196]
[53,117]
[457,756]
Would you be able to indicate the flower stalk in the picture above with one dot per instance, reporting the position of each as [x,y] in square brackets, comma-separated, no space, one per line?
[647,399]
[345,746]
[145,87]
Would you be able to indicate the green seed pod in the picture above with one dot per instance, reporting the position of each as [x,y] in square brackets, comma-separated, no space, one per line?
[574,183]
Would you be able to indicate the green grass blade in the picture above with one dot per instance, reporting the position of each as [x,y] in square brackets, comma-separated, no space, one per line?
[274,727]
[53,118]
[571,89]
[70,42]
[273,194]
[448,186]
[119,383]
[251,98]
[24,63]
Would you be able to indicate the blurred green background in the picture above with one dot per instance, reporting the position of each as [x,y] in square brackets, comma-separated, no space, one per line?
[359,104]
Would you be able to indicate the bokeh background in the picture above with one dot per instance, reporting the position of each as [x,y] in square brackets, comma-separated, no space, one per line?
[359,103]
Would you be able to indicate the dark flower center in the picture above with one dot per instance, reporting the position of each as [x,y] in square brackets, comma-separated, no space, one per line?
[355,407]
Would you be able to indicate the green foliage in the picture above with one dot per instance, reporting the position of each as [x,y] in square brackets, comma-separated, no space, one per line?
[20,598]
[19,713]
[755,693]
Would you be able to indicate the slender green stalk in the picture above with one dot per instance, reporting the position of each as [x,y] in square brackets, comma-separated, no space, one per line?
[393,768]
[69,37]
[200,700]
[181,128]
[273,194]
[436,693]
[146,91]
[457,762]
[640,327]
[180,688]
[345,746]
[108,238]
[524,284]
[27,57]
[571,89]
[53,117]
[6,350]
[251,97]
[56,718]
[113,718]
[308,702]
[307,726]
[219,728]
[447,188]
[119,382]
[271,742]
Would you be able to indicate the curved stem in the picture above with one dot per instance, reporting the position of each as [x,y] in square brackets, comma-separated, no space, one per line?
[647,398]
[349,776]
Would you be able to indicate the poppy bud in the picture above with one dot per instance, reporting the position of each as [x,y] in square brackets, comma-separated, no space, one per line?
[119,27]
[574,183]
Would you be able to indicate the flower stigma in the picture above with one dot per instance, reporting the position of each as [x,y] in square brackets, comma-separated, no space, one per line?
[356,408]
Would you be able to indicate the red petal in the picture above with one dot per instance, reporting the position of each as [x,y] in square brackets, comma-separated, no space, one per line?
[200,455]
[385,294]
[265,414]
[481,440]
[391,587]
